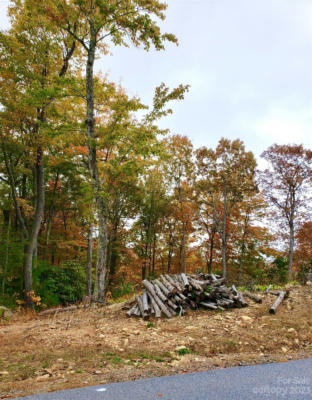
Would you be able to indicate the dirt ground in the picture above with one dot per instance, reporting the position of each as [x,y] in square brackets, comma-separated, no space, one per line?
[100,345]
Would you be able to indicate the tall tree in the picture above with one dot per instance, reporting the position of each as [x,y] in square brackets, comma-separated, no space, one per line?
[230,176]
[91,22]
[286,183]
[34,60]
[179,166]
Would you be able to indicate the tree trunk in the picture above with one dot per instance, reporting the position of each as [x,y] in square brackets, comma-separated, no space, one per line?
[114,252]
[154,255]
[99,197]
[89,262]
[19,215]
[50,217]
[169,258]
[224,238]
[183,230]
[212,236]
[7,250]
[291,235]
[291,249]
[33,238]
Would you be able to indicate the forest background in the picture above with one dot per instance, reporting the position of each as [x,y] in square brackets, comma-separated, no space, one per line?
[96,194]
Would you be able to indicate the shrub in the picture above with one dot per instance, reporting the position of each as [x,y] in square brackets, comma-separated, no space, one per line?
[63,284]
[123,289]
[279,270]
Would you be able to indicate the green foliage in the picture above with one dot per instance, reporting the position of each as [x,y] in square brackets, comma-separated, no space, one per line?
[123,289]
[242,289]
[60,284]
[150,325]
[262,288]
[183,351]
[279,270]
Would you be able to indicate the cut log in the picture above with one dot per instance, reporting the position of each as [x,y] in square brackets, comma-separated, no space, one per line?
[234,290]
[278,301]
[254,297]
[211,306]
[141,307]
[218,282]
[162,287]
[145,302]
[132,310]
[167,284]
[148,286]
[195,285]
[172,305]
[185,281]
[160,304]
[241,300]
[175,294]
[159,293]
[173,282]
[63,309]
[155,307]
[137,312]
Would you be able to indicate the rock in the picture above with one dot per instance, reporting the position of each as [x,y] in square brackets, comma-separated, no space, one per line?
[4,373]
[43,378]
[5,312]
[246,318]
[180,348]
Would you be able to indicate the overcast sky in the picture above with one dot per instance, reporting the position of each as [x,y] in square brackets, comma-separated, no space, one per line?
[249,64]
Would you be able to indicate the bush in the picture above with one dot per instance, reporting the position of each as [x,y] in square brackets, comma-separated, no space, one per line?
[63,284]
[123,289]
[278,272]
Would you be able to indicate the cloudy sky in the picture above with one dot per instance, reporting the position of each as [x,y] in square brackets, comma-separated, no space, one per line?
[249,64]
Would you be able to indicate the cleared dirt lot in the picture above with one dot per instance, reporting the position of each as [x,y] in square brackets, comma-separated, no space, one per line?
[99,345]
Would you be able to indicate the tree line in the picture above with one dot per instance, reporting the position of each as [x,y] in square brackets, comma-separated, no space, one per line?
[87,176]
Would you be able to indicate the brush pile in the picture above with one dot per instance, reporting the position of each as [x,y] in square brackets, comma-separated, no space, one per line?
[171,295]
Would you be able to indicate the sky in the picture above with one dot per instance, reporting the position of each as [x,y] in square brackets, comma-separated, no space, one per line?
[249,64]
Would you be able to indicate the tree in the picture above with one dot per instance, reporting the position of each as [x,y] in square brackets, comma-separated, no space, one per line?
[286,184]
[90,23]
[34,59]
[179,167]
[228,176]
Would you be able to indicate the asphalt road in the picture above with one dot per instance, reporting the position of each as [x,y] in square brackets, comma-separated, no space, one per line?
[291,380]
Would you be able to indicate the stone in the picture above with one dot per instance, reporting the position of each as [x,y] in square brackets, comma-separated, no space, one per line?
[43,378]
[284,349]
[246,318]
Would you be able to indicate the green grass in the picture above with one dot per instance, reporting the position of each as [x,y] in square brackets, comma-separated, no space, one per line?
[184,351]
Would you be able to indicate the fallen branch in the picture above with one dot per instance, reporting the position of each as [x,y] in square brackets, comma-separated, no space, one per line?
[254,297]
[63,309]
[282,295]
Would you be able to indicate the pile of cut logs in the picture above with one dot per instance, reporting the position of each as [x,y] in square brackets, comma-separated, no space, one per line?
[175,294]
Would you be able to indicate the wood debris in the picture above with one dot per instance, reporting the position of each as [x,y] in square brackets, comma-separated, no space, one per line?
[171,295]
